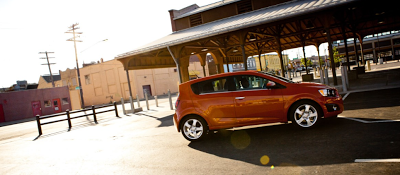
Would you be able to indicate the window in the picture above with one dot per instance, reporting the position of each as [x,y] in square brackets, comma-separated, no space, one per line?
[73,81]
[87,79]
[47,103]
[210,86]
[195,20]
[64,101]
[278,77]
[246,82]
[244,6]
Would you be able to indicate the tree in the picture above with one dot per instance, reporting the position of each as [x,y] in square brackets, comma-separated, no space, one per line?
[337,58]
[309,63]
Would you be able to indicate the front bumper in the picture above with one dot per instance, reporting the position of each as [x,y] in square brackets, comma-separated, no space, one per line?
[333,107]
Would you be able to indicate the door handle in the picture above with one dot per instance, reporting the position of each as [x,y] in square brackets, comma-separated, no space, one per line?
[239,98]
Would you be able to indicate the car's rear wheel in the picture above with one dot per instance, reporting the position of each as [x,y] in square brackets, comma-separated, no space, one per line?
[304,114]
[194,128]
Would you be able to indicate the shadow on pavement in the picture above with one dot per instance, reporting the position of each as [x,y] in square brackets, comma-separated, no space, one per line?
[373,99]
[331,142]
[165,121]
[49,132]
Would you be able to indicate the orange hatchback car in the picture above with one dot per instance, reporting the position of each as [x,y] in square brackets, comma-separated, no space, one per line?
[249,98]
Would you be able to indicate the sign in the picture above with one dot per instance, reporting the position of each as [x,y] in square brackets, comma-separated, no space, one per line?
[77,88]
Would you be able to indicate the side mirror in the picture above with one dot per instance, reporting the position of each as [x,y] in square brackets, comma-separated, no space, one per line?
[270,84]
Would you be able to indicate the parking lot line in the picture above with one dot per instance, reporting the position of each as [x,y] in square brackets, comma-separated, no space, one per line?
[365,121]
[376,160]
[345,96]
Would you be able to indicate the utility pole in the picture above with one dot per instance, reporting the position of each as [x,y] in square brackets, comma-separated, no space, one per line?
[72,29]
[48,63]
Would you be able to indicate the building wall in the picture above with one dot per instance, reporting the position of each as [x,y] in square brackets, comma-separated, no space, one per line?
[106,82]
[17,105]
[272,61]
[75,99]
[103,83]
[195,68]
[69,78]
[42,84]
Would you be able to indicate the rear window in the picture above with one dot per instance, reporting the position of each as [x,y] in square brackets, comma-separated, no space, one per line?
[210,86]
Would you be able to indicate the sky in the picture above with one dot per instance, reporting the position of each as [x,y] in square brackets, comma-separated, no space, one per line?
[28,27]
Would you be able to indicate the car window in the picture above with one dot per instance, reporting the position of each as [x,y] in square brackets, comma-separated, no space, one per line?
[247,82]
[279,77]
[210,86]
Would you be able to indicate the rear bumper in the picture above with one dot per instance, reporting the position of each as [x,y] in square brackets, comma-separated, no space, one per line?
[175,118]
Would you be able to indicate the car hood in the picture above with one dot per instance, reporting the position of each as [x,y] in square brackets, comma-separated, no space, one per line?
[313,85]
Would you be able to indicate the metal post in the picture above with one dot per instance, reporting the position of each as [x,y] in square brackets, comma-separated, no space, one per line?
[69,119]
[129,83]
[138,101]
[321,75]
[344,79]
[147,100]
[170,99]
[123,105]
[94,114]
[38,124]
[155,97]
[116,110]
[347,79]
[326,76]
[132,107]
[368,65]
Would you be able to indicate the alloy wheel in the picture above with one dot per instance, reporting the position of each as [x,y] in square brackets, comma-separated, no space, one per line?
[193,129]
[305,115]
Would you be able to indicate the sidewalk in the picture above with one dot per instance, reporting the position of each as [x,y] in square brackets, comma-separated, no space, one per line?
[381,76]
[27,129]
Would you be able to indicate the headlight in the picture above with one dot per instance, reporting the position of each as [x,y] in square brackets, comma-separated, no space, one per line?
[328,92]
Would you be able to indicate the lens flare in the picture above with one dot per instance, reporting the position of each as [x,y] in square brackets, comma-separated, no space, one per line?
[240,139]
[264,160]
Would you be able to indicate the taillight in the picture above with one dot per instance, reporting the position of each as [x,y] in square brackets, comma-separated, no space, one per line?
[177,104]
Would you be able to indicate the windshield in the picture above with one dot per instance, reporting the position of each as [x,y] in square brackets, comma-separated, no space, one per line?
[278,77]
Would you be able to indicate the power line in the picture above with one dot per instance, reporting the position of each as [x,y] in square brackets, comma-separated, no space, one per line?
[48,63]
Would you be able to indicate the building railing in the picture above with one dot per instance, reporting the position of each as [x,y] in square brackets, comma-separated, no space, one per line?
[69,118]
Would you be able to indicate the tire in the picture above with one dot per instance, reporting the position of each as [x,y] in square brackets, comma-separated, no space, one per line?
[305,114]
[194,128]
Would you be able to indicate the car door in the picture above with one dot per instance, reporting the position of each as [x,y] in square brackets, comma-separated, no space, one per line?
[215,102]
[256,102]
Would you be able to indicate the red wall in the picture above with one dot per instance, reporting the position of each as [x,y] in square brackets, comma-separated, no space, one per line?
[17,105]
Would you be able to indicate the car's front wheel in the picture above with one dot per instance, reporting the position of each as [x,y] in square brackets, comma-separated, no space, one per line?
[304,114]
[194,128]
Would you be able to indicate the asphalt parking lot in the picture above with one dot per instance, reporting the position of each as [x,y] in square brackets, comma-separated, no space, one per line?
[147,143]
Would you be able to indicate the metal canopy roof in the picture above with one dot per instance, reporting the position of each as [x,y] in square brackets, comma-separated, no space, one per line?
[283,26]
[206,7]
[242,21]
